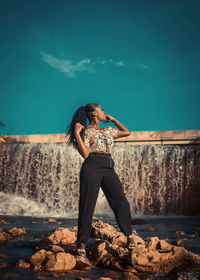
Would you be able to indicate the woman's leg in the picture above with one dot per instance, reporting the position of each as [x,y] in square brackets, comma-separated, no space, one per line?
[113,191]
[89,189]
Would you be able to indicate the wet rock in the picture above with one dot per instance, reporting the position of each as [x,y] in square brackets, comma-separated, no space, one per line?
[103,230]
[137,239]
[60,262]
[82,262]
[152,242]
[150,229]
[161,261]
[56,249]
[180,243]
[119,239]
[23,264]
[164,245]
[43,244]
[98,249]
[3,222]
[4,236]
[106,255]
[52,220]
[131,276]
[12,233]
[17,231]
[38,258]
[50,260]
[104,278]
[180,232]
[62,235]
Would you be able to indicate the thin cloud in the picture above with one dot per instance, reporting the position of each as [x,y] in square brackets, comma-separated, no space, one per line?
[142,66]
[69,68]
[120,63]
[66,66]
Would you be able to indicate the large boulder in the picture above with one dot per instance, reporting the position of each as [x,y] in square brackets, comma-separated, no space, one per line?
[161,260]
[63,236]
[103,230]
[60,261]
[38,258]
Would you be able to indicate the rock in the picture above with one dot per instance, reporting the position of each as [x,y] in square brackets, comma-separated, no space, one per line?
[122,251]
[50,260]
[152,242]
[131,276]
[82,262]
[180,243]
[17,231]
[106,255]
[52,220]
[43,244]
[60,262]
[104,278]
[120,239]
[164,245]
[180,232]
[3,222]
[23,264]
[137,240]
[62,235]
[150,229]
[56,249]
[98,249]
[4,236]
[161,261]
[38,258]
[103,230]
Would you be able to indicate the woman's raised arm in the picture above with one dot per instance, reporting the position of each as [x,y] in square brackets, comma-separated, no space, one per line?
[123,131]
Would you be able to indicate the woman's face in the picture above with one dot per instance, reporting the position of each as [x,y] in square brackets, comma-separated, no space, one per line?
[101,115]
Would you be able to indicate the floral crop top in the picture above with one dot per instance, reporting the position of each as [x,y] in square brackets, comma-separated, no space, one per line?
[100,140]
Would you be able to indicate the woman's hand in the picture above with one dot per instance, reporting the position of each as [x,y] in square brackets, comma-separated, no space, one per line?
[78,127]
[109,119]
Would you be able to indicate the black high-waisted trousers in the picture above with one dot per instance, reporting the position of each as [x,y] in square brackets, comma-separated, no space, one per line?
[97,170]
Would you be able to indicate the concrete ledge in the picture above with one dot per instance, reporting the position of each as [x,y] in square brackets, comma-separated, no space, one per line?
[136,138]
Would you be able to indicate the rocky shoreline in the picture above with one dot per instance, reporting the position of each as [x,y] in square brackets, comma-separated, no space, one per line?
[107,250]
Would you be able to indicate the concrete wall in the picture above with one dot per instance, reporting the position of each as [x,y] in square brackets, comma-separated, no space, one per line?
[136,138]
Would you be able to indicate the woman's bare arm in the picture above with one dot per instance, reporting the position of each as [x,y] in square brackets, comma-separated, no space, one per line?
[123,131]
[82,148]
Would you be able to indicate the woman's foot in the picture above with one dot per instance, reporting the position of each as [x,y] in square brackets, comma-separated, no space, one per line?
[81,249]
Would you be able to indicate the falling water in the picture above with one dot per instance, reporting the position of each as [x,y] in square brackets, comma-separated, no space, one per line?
[43,179]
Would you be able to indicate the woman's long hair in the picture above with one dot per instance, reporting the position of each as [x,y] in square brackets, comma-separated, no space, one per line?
[80,116]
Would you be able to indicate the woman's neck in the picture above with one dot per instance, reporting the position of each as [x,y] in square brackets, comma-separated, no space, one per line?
[94,124]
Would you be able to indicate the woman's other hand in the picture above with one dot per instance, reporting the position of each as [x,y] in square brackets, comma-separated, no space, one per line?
[109,119]
[78,128]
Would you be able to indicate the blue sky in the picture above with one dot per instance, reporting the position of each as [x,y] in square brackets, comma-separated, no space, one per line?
[139,60]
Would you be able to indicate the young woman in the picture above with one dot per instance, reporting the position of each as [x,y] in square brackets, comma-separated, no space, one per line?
[95,145]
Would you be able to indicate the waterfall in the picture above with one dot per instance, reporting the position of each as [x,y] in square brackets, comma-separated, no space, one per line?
[43,179]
